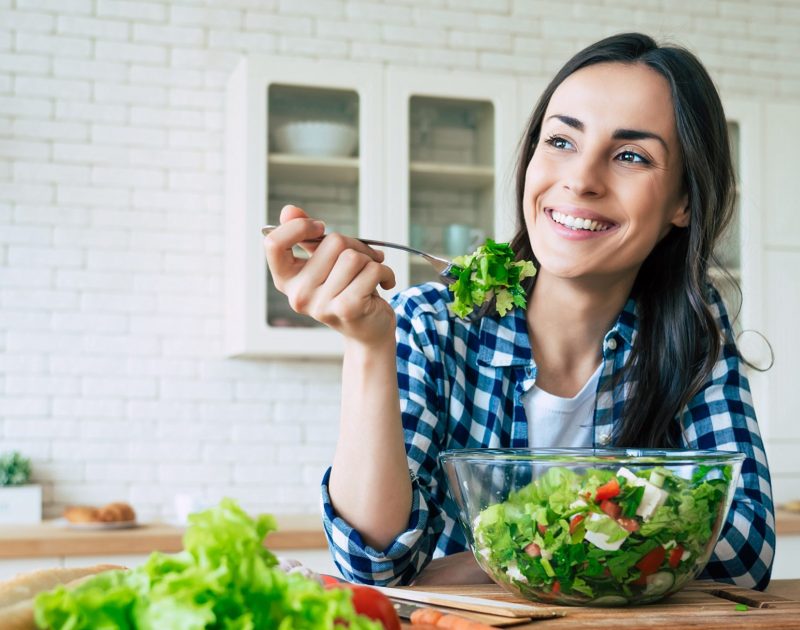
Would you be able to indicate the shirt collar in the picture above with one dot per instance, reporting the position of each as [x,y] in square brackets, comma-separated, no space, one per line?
[504,341]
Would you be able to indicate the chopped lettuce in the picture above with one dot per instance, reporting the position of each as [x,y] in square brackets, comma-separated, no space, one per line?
[490,271]
[576,538]
[224,579]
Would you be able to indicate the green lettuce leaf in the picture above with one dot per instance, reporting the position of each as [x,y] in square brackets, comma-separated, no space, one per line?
[224,579]
[490,271]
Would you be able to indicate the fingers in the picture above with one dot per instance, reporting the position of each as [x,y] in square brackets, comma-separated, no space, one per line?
[292,212]
[330,293]
[278,245]
[337,282]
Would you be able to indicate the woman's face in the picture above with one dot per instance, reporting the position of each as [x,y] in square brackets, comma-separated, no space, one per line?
[604,184]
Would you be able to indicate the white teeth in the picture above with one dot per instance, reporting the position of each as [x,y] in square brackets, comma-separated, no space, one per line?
[578,223]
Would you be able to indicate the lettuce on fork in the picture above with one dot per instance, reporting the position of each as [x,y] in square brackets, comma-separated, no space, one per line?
[490,271]
[224,578]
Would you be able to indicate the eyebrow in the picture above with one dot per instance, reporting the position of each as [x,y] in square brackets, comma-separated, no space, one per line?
[619,134]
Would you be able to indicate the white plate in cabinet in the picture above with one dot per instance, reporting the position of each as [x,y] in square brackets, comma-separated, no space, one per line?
[263,93]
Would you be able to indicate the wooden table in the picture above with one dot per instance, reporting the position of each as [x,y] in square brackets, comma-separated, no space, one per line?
[701,605]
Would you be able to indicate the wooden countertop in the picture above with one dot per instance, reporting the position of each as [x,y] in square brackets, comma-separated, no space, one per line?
[54,538]
[787,523]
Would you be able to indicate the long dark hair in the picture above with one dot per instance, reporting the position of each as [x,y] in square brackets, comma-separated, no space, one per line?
[678,340]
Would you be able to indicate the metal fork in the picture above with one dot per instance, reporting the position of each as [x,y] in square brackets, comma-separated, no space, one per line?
[442,266]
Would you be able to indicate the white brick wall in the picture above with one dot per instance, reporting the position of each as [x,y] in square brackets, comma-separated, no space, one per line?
[111,215]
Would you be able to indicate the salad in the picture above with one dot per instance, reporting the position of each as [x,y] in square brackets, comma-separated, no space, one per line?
[490,271]
[603,537]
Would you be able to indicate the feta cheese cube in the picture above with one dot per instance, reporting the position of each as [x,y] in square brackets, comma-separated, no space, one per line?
[599,539]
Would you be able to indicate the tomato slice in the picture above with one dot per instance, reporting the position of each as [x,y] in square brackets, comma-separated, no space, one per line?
[675,557]
[574,522]
[628,524]
[608,490]
[371,603]
[612,509]
[651,561]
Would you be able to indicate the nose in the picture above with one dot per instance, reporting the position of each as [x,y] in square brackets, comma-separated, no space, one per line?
[585,175]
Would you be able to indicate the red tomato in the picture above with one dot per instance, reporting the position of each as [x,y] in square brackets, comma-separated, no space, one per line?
[607,490]
[371,603]
[542,528]
[675,557]
[328,580]
[611,508]
[651,561]
[629,524]
[574,522]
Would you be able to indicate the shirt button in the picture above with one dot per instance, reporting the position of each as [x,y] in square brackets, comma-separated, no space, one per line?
[612,344]
[605,439]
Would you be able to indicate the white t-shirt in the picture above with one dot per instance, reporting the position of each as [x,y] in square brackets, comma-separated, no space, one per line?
[555,422]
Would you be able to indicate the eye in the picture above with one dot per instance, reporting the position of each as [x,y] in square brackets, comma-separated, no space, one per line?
[632,157]
[557,142]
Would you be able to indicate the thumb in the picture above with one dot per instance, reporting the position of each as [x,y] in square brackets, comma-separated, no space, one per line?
[292,212]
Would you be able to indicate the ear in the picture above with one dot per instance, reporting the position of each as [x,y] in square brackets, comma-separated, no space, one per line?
[682,214]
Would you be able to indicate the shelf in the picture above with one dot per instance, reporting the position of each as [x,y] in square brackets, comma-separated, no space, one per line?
[302,168]
[464,176]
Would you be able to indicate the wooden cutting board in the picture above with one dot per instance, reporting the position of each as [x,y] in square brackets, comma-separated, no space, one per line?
[701,605]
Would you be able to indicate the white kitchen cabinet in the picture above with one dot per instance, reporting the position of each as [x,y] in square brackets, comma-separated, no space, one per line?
[449,158]
[263,175]
[434,149]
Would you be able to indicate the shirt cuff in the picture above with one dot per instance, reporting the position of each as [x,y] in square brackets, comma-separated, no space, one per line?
[399,562]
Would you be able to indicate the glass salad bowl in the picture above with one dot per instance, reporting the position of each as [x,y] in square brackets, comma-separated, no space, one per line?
[595,527]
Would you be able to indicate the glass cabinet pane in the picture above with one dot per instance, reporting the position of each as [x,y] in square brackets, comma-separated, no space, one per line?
[451,178]
[312,163]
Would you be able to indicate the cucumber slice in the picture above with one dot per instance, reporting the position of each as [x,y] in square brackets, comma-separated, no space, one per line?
[657,477]
[659,583]
[610,600]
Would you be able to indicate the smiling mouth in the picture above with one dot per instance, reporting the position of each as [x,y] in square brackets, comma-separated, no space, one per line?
[579,224]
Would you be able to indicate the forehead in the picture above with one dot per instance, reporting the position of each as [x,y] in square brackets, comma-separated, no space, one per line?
[608,96]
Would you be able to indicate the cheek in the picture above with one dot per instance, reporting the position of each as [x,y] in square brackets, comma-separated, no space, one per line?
[536,182]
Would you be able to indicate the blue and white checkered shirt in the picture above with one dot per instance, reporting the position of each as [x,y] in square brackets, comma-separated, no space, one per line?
[461,386]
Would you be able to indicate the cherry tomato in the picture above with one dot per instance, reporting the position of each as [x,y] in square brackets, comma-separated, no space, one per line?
[629,524]
[607,490]
[651,561]
[611,508]
[675,557]
[574,522]
[329,580]
[371,603]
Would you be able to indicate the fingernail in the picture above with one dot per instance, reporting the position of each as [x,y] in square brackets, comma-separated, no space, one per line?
[320,225]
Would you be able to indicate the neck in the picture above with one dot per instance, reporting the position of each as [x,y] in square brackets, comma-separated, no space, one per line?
[567,321]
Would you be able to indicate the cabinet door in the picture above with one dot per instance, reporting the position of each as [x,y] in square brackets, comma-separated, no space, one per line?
[450,152]
[305,133]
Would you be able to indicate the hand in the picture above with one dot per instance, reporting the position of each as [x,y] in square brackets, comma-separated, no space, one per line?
[337,285]
[457,568]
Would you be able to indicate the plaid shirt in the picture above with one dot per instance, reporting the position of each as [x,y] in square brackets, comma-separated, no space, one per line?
[461,386]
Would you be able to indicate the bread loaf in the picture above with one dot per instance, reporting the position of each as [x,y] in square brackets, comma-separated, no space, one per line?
[116,512]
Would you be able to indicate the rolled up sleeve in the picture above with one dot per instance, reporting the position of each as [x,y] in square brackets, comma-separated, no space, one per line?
[722,417]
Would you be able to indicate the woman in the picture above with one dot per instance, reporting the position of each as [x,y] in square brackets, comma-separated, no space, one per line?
[624,185]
